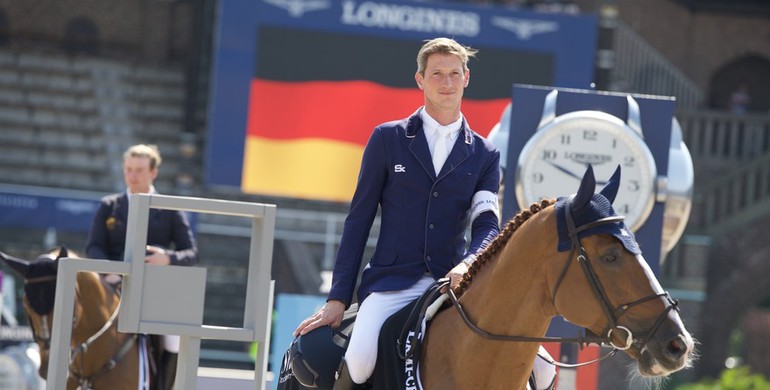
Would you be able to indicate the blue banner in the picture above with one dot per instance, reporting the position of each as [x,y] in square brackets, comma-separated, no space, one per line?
[22,207]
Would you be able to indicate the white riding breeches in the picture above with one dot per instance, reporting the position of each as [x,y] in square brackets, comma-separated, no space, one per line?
[545,372]
[361,354]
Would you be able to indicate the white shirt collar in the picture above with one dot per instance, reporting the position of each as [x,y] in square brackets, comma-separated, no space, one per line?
[152,191]
[431,125]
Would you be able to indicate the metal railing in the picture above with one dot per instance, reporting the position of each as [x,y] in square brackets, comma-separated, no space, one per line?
[732,200]
[318,227]
[731,154]
[721,136]
[640,68]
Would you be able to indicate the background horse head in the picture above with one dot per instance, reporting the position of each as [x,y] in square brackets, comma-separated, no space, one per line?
[101,357]
[573,257]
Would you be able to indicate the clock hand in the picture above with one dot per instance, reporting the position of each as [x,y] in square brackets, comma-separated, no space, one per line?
[565,170]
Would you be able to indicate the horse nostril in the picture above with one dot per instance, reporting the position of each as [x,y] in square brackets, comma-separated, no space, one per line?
[676,348]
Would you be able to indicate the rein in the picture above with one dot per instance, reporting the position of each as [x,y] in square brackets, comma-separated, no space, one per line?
[611,313]
[85,382]
[581,340]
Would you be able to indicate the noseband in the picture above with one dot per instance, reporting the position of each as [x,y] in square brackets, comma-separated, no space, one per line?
[639,339]
[612,314]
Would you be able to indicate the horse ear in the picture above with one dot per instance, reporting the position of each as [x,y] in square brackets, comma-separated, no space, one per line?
[20,266]
[62,252]
[611,189]
[586,191]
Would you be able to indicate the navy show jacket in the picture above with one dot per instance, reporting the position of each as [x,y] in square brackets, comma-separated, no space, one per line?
[423,217]
[168,229]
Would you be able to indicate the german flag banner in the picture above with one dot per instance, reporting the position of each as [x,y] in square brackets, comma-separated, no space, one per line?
[300,85]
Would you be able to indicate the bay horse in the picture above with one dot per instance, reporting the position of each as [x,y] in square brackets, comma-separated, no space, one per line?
[100,356]
[572,257]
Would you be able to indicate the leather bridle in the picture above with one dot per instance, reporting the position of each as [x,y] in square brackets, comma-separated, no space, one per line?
[612,314]
[639,339]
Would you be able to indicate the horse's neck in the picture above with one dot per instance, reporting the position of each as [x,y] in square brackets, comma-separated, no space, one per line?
[507,296]
[96,305]
[97,302]
[510,295]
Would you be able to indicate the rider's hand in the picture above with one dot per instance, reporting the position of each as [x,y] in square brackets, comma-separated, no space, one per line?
[455,275]
[330,314]
[157,255]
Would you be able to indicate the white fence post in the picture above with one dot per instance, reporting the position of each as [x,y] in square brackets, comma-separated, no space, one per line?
[147,305]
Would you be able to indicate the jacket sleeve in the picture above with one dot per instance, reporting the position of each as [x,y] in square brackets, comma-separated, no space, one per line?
[98,240]
[363,209]
[483,231]
[486,226]
[185,248]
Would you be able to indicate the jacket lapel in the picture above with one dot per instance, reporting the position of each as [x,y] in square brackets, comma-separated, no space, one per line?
[419,144]
[122,208]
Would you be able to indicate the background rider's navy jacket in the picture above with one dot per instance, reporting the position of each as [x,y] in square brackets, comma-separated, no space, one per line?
[423,217]
[107,238]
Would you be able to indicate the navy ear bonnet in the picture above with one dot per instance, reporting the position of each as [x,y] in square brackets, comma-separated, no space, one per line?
[588,207]
[41,296]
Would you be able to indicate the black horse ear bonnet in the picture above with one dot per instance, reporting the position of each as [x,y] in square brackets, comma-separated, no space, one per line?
[587,207]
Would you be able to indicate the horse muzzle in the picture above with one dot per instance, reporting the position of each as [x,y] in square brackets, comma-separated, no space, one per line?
[666,353]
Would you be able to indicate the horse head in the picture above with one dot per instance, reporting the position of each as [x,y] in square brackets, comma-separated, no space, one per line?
[571,257]
[612,290]
[99,352]
[39,292]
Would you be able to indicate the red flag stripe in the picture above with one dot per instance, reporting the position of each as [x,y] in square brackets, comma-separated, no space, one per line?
[343,111]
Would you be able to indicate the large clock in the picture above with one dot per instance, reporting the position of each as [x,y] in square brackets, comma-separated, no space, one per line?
[556,156]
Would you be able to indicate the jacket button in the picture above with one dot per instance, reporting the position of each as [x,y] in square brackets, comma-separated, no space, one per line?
[430,226]
[435,194]
[427,258]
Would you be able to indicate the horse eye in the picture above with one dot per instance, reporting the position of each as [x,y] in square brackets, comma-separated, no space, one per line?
[610,257]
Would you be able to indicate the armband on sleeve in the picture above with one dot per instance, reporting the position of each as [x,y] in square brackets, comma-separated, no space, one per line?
[484,201]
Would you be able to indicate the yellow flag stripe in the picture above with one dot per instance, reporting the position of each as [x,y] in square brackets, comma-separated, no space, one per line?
[305,168]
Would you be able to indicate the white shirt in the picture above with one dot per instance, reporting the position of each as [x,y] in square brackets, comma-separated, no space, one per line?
[433,130]
[128,191]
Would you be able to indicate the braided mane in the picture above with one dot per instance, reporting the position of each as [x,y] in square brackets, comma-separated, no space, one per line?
[499,242]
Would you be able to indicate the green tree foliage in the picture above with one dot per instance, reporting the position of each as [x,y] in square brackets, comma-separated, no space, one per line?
[733,379]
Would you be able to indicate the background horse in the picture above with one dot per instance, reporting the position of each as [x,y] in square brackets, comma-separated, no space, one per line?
[101,357]
[527,276]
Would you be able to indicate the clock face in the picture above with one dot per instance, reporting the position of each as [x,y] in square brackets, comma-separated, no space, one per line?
[556,157]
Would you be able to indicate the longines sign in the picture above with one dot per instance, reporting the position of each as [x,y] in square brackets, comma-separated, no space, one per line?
[417,18]
[411,18]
